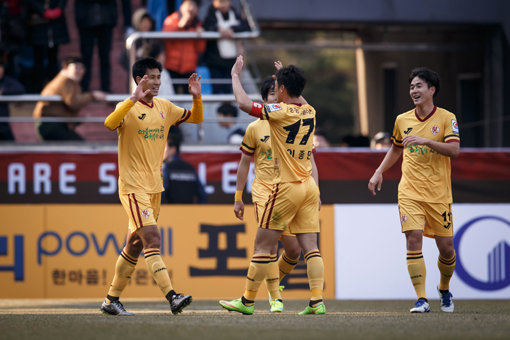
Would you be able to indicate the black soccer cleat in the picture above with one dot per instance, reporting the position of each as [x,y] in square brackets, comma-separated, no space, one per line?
[179,302]
[114,308]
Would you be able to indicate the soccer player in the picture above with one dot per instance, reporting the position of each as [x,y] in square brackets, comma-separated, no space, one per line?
[142,122]
[427,136]
[257,144]
[293,204]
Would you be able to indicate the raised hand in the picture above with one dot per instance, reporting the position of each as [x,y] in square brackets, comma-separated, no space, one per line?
[194,86]
[139,93]
[278,65]
[238,66]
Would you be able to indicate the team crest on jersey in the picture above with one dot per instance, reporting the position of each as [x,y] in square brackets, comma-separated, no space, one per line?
[162,115]
[146,213]
[455,126]
[273,107]
[403,218]
[434,130]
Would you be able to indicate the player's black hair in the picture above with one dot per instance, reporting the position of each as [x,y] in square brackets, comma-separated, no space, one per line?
[429,76]
[227,109]
[267,85]
[141,66]
[71,60]
[293,78]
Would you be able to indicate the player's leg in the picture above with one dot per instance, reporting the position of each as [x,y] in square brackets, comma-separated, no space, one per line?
[273,283]
[440,217]
[124,268]
[290,255]
[412,220]
[315,272]
[257,271]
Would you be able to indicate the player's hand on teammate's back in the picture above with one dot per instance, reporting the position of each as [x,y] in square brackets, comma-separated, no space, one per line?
[239,210]
[194,86]
[238,66]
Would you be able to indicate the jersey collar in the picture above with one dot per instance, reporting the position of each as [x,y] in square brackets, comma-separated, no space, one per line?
[427,117]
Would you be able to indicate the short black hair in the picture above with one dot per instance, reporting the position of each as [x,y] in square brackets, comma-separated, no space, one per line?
[71,60]
[141,66]
[429,76]
[293,78]
[227,109]
[267,85]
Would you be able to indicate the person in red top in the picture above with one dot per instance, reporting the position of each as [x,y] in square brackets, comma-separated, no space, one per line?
[181,55]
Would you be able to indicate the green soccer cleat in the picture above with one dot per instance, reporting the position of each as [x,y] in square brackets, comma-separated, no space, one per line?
[276,306]
[319,309]
[237,306]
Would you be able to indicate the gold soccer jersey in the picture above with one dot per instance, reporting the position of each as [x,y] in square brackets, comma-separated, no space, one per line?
[257,143]
[425,172]
[142,139]
[291,129]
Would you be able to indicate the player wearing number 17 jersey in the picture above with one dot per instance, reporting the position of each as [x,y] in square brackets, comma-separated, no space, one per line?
[294,202]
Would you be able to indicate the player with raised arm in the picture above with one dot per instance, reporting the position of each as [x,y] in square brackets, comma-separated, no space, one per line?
[427,136]
[293,204]
[142,122]
[257,145]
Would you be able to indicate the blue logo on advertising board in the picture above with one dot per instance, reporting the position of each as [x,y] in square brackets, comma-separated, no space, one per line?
[18,267]
[498,258]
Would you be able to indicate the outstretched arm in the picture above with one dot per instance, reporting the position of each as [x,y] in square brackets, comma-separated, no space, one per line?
[242,98]
[391,157]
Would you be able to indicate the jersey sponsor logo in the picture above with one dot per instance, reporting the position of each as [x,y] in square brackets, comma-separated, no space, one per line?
[408,130]
[455,126]
[434,130]
[265,139]
[162,115]
[273,107]
[142,116]
[146,213]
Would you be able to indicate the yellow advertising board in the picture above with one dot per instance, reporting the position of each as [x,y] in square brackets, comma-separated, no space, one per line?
[69,251]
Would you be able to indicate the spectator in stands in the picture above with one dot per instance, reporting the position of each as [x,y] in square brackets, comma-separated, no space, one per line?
[181,55]
[160,9]
[8,85]
[381,141]
[227,116]
[180,179]
[220,55]
[47,30]
[95,20]
[67,85]
[12,35]
[142,22]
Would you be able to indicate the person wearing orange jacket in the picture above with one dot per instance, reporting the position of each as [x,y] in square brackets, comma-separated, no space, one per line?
[181,55]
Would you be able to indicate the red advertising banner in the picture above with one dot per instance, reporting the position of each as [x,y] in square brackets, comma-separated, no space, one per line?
[91,177]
